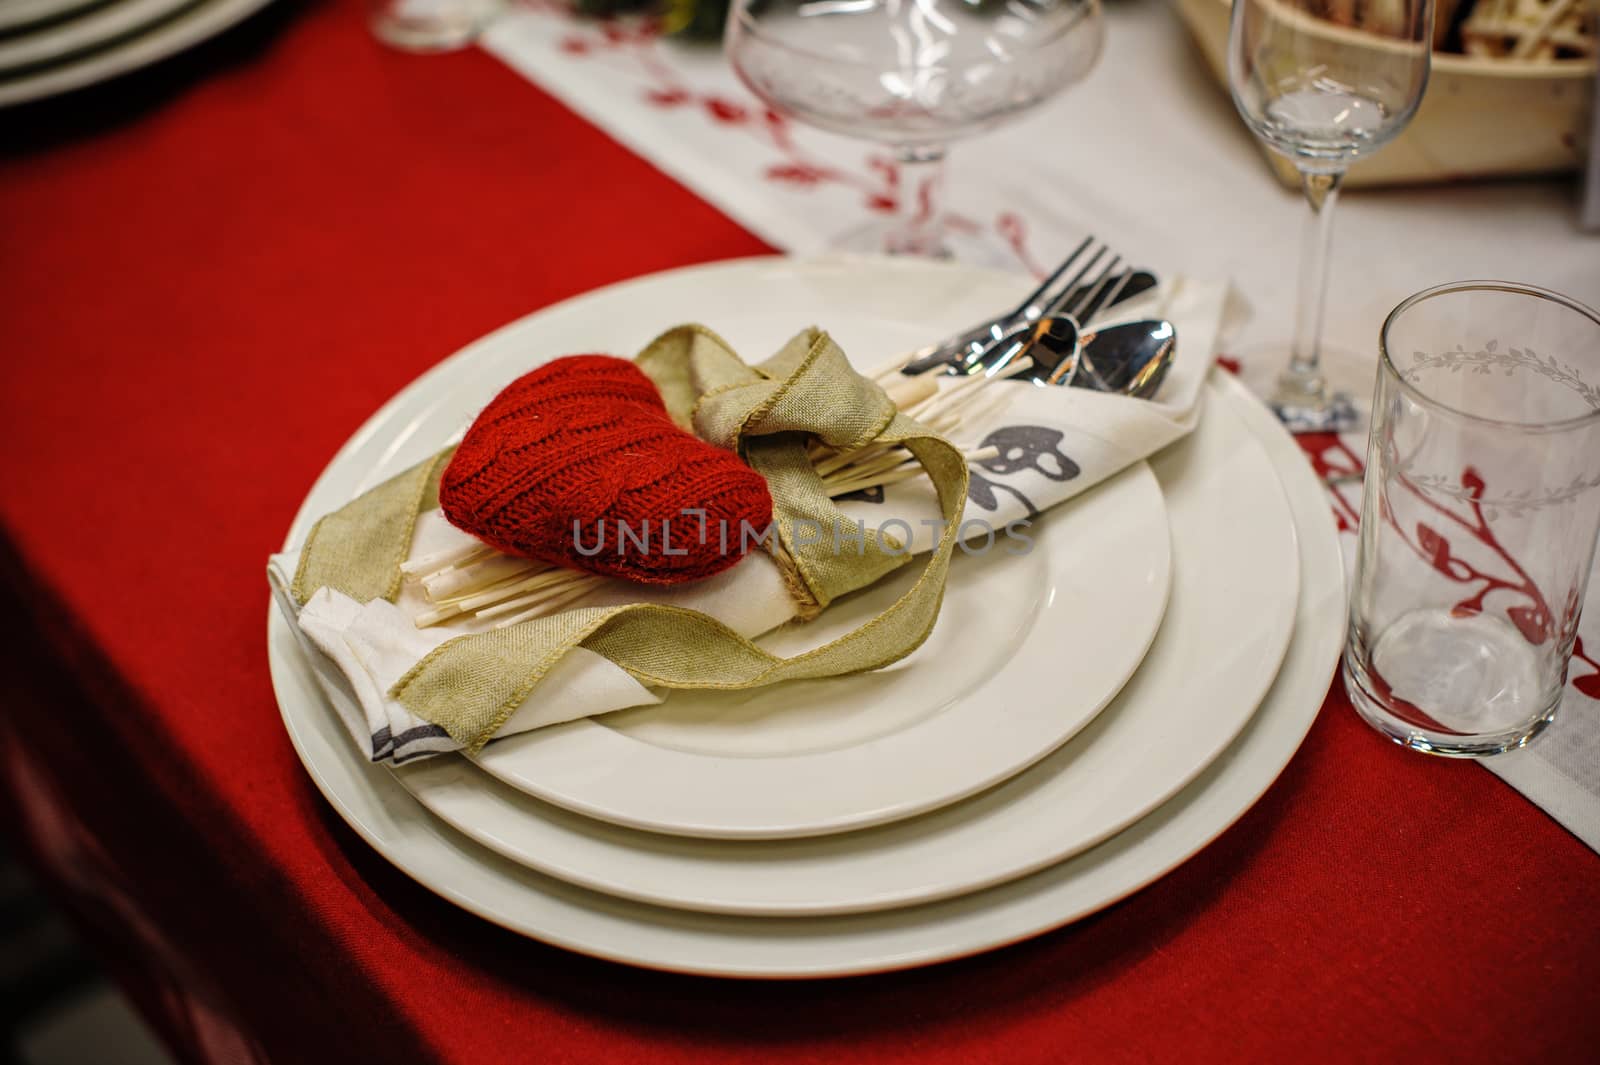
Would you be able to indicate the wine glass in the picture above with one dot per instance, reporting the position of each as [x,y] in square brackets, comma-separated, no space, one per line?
[913,75]
[1324,84]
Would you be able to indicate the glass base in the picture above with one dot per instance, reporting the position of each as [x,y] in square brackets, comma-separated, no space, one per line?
[1335,413]
[430,25]
[888,237]
[1375,708]
[1328,406]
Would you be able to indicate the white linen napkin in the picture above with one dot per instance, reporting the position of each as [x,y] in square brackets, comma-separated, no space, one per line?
[373,644]
[1053,444]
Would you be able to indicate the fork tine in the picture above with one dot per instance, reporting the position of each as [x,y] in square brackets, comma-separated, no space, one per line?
[991,359]
[979,354]
[1090,293]
[1110,298]
[1035,304]
[1077,278]
[957,354]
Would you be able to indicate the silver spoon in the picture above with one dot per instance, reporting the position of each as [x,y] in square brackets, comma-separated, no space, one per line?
[1130,358]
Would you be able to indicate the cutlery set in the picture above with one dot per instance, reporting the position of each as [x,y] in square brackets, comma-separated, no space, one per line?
[1046,339]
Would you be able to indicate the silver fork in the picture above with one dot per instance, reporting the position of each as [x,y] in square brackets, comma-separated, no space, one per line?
[956,353]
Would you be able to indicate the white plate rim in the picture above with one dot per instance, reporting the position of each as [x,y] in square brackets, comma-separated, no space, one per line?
[17,17]
[961,754]
[59,41]
[997,841]
[476,879]
[183,30]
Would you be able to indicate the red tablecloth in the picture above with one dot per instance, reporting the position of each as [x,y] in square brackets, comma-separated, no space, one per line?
[208,277]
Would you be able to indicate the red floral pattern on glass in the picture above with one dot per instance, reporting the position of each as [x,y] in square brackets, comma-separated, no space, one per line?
[1439,542]
[1588,683]
[1532,616]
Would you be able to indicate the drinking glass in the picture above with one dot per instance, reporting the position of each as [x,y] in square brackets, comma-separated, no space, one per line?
[1482,508]
[1324,85]
[913,75]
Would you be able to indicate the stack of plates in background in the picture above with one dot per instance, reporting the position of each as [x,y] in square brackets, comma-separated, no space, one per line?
[1083,718]
[53,46]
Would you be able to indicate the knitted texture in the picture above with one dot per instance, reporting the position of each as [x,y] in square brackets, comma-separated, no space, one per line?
[579,464]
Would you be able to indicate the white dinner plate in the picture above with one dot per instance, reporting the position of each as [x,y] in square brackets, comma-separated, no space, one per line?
[1220,646]
[183,30]
[378,808]
[85,32]
[1027,649]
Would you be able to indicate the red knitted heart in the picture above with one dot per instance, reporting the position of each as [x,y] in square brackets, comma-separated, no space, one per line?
[584,443]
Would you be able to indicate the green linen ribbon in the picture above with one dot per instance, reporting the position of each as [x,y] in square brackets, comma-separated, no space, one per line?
[358,548]
[471,684]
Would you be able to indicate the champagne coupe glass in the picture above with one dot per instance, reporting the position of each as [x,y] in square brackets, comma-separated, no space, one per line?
[1324,83]
[913,75]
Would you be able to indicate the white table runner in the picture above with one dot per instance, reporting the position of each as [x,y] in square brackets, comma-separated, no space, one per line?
[1147,154]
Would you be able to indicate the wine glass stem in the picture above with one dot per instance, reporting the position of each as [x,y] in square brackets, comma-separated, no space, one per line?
[1304,375]
[919,227]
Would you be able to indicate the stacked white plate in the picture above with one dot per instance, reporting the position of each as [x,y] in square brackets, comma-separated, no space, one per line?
[1086,715]
[53,46]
